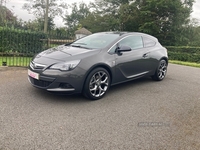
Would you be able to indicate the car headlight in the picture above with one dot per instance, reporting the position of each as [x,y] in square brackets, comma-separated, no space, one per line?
[66,66]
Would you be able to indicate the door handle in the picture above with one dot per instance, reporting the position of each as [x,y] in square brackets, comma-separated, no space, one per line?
[145,55]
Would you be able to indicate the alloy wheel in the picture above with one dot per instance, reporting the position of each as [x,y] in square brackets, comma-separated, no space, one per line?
[99,84]
[162,70]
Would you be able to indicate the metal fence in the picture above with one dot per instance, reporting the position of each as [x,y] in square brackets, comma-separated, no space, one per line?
[17,47]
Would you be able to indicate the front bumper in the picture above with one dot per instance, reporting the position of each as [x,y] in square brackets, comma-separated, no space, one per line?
[58,81]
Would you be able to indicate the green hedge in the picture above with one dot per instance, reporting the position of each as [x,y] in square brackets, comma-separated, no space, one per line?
[20,41]
[190,54]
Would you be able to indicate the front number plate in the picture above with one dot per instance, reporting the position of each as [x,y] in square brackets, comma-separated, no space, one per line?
[33,74]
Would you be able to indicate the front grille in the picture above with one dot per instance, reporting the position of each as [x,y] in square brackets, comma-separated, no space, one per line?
[39,83]
[34,65]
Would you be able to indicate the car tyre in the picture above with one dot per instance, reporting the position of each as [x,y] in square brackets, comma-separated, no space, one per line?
[161,71]
[97,84]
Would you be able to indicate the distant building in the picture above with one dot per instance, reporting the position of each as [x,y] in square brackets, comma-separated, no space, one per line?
[82,32]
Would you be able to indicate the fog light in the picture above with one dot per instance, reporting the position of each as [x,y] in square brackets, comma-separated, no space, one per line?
[66,86]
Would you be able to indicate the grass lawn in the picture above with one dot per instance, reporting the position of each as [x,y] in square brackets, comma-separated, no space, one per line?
[15,61]
[192,64]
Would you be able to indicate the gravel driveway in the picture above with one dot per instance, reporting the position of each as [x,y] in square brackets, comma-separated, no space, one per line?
[142,114]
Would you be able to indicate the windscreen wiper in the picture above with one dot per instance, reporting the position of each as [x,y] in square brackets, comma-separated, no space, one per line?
[79,46]
[80,43]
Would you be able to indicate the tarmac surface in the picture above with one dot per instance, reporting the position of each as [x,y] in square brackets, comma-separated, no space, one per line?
[138,115]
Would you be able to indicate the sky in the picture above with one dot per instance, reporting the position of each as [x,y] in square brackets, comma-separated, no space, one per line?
[16,7]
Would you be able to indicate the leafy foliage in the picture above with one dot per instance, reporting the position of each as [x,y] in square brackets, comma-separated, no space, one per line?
[167,20]
[38,25]
[189,54]
[6,16]
[20,41]
[38,7]
[79,12]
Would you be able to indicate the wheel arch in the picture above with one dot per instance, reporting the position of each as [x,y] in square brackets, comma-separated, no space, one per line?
[100,65]
[164,58]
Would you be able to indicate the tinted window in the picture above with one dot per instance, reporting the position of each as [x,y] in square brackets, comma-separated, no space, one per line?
[134,42]
[148,42]
[96,40]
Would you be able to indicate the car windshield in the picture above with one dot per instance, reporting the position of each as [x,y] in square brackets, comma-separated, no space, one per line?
[95,41]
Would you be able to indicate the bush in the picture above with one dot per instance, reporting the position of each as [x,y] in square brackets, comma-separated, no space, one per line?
[190,54]
[20,41]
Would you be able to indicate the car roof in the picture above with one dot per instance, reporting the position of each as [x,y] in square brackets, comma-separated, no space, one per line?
[125,33]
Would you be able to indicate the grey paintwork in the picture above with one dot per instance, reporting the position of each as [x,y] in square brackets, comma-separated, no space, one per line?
[128,66]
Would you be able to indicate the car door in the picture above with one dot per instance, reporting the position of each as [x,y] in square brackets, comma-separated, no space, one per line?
[134,63]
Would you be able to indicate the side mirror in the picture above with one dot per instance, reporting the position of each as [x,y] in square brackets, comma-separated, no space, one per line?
[123,48]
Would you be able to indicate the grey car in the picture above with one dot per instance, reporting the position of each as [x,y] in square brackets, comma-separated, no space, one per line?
[92,64]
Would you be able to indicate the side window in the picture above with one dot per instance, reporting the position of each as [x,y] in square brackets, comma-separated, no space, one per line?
[148,42]
[135,42]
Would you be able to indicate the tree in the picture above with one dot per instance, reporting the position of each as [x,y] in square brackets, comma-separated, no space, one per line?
[79,12]
[192,33]
[46,15]
[6,16]
[128,17]
[97,23]
[39,8]
[108,10]
[165,19]
[108,6]
[38,25]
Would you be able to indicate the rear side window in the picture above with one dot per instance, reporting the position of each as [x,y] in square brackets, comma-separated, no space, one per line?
[148,42]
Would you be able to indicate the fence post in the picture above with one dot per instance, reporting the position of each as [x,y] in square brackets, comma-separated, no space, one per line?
[48,43]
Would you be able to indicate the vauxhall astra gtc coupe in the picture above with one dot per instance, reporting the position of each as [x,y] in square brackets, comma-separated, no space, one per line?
[92,64]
